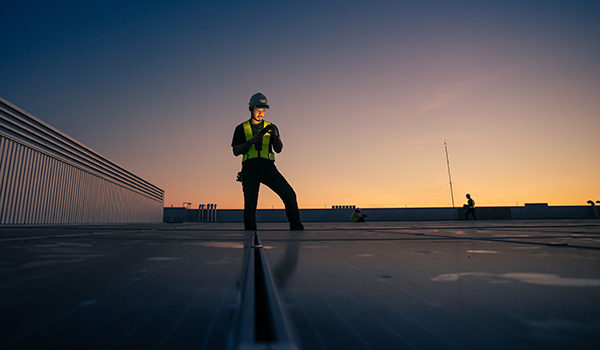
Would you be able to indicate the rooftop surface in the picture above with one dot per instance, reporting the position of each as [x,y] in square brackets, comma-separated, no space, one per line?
[373,285]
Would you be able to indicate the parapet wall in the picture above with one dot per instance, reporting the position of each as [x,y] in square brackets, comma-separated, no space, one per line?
[417,214]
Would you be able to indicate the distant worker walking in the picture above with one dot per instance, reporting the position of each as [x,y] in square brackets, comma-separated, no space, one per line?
[471,207]
[357,217]
[257,139]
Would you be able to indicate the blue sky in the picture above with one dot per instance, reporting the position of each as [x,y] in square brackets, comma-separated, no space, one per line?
[364,92]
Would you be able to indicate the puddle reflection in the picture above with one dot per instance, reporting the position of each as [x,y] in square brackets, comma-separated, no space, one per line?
[285,268]
[232,245]
[525,277]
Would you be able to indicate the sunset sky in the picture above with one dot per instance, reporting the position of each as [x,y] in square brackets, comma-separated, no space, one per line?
[363,92]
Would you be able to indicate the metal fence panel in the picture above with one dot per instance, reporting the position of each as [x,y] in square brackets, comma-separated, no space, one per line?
[48,178]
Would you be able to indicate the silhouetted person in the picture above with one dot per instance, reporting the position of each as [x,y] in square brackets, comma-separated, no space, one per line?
[257,140]
[357,217]
[471,207]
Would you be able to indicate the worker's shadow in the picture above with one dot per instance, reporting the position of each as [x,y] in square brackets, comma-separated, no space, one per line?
[284,269]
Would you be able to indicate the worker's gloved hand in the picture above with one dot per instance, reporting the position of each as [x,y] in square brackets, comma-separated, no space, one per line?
[257,138]
[273,130]
[266,129]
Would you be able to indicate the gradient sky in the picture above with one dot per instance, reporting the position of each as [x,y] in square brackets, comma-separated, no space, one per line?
[364,93]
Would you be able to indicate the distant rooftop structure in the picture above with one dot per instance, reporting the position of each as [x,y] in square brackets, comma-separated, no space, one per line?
[47,177]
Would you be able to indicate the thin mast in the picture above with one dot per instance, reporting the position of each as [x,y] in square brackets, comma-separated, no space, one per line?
[449,176]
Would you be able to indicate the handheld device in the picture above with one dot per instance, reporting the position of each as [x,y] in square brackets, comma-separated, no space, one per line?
[267,129]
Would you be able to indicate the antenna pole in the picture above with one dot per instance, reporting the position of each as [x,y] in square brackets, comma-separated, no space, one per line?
[449,176]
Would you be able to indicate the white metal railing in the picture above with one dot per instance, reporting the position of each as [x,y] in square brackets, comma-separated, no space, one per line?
[48,177]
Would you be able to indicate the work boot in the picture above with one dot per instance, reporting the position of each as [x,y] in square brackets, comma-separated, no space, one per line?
[297,227]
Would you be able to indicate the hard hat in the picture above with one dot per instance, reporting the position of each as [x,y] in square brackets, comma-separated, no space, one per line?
[258,100]
[468,195]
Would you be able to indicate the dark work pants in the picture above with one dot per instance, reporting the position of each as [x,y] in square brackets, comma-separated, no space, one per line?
[472,212]
[257,171]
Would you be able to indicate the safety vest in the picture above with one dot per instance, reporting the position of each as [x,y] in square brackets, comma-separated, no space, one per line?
[252,152]
[471,203]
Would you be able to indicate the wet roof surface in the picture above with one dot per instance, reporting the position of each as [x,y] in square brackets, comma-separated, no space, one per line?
[374,285]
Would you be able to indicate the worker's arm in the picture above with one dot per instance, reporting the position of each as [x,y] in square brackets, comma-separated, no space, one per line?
[277,143]
[245,147]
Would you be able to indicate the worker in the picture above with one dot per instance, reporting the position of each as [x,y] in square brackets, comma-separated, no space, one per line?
[471,207]
[258,140]
[357,217]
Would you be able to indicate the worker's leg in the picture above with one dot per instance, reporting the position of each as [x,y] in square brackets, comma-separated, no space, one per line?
[275,181]
[250,185]
[472,212]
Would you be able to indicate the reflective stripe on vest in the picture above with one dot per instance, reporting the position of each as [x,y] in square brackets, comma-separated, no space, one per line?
[252,152]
